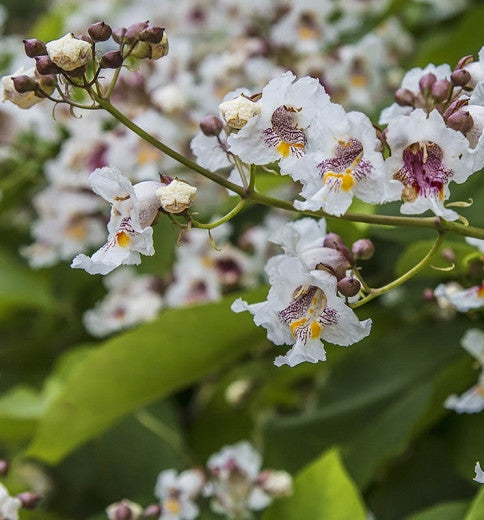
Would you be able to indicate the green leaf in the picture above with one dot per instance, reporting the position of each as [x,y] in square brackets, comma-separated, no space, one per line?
[448,511]
[476,511]
[137,367]
[322,491]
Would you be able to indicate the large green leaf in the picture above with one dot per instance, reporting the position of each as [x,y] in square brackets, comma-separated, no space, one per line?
[476,511]
[448,511]
[140,366]
[322,491]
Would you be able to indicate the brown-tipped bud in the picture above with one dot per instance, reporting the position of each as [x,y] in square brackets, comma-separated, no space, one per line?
[332,240]
[77,73]
[29,499]
[405,97]
[348,286]
[426,82]
[152,34]
[441,89]
[448,254]
[111,60]
[363,249]
[24,84]
[211,125]
[100,31]
[4,467]
[464,61]
[428,295]
[346,252]
[461,121]
[118,34]
[152,511]
[45,65]
[133,31]
[34,48]
[123,512]
[84,38]
[460,77]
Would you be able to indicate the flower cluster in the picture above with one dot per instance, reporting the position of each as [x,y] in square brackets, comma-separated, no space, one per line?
[234,483]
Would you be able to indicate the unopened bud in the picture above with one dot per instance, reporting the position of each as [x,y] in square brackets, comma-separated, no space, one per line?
[237,112]
[45,65]
[177,196]
[363,249]
[428,295]
[332,240]
[159,50]
[77,73]
[34,47]
[111,60]
[211,125]
[29,500]
[152,511]
[348,286]
[461,121]
[100,31]
[448,254]
[346,252]
[460,77]
[464,61]
[441,89]
[152,34]
[326,259]
[118,34]
[4,467]
[426,82]
[404,97]
[133,32]
[25,84]
[275,483]
[124,510]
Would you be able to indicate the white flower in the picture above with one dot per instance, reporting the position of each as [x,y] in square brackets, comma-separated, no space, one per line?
[479,474]
[464,299]
[237,112]
[177,493]
[425,157]
[471,401]
[69,53]
[302,308]
[133,210]
[21,99]
[477,242]
[279,131]
[177,196]
[9,506]
[346,164]
[211,151]
[131,300]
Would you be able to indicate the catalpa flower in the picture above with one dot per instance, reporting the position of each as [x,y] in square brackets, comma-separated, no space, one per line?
[346,164]
[479,474]
[133,210]
[471,401]
[9,506]
[279,132]
[302,308]
[425,156]
[463,300]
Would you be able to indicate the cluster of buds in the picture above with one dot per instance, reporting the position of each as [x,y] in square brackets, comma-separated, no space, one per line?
[66,60]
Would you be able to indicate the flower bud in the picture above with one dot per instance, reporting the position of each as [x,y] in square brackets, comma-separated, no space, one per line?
[426,82]
[152,511]
[448,254]
[133,32]
[428,295]
[177,196]
[118,34]
[237,112]
[159,50]
[34,47]
[111,60]
[29,499]
[327,259]
[77,73]
[25,84]
[152,34]
[211,125]
[441,89]
[4,467]
[346,252]
[404,97]
[45,65]
[348,286]
[464,61]
[124,510]
[275,483]
[363,249]
[332,240]
[461,121]
[100,31]
[460,77]
[69,53]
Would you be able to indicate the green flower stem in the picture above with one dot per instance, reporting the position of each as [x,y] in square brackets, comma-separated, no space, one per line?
[383,220]
[402,279]
[237,209]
